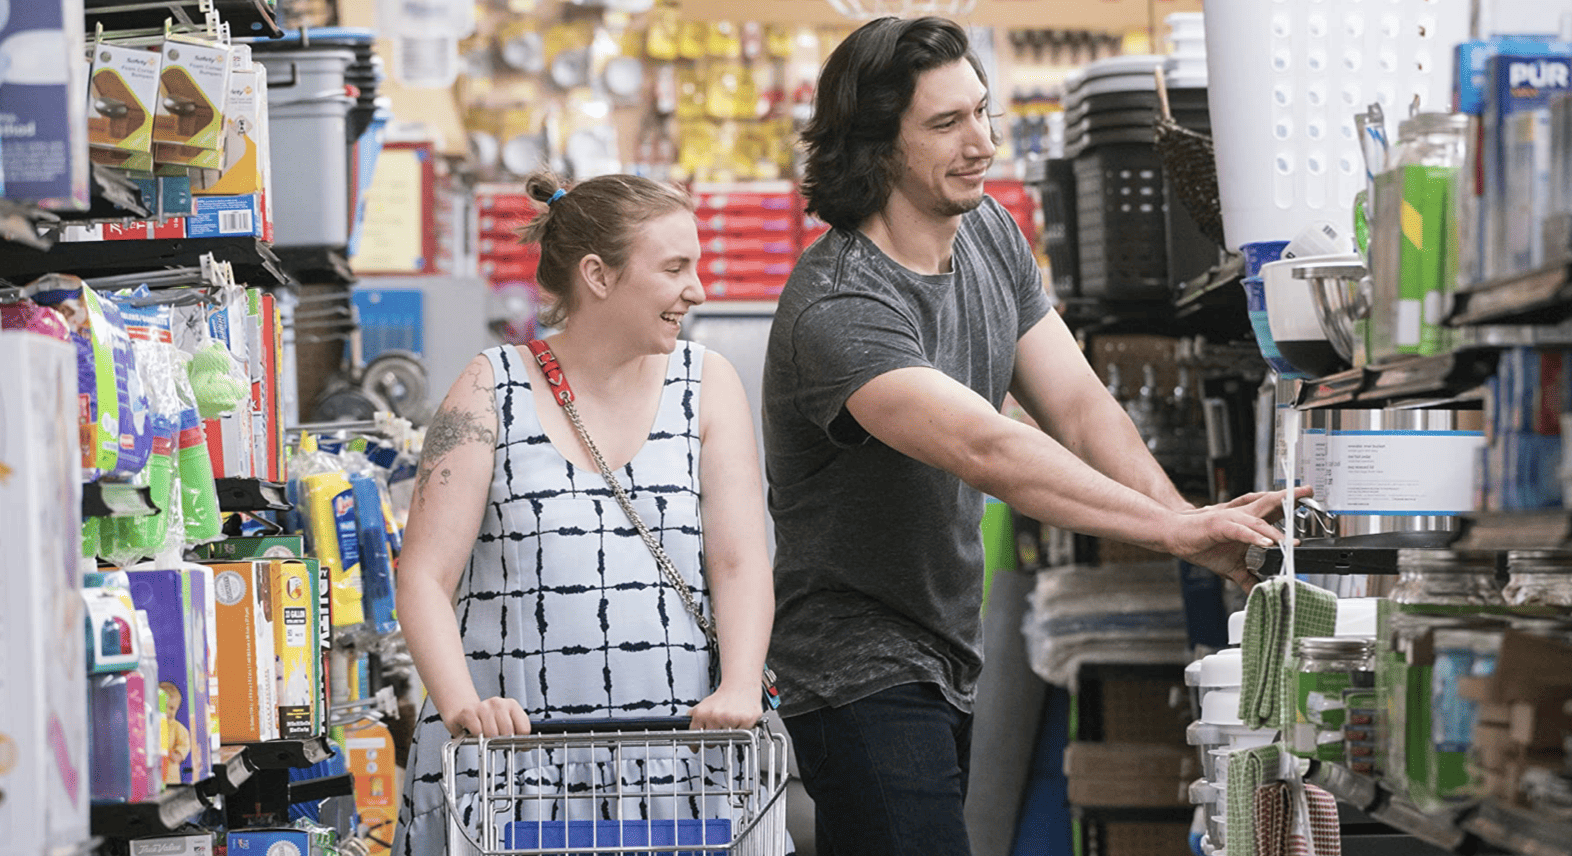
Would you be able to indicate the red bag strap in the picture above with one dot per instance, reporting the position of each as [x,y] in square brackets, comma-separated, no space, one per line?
[552,370]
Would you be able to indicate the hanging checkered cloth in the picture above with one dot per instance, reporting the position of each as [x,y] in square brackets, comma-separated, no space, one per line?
[562,606]
[1280,822]
[1266,690]
[1248,770]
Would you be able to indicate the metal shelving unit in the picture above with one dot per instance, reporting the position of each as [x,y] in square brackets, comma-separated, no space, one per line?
[245,17]
[180,803]
[107,499]
[253,259]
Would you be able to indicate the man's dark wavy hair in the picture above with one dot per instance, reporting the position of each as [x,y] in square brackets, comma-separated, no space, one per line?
[867,83]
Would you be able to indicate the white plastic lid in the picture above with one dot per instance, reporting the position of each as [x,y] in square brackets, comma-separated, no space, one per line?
[1192,673]
[1223,669]
[1221,707]
[1236,627]
[1356,616]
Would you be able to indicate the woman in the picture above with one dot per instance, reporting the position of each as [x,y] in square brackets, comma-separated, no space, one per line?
[525,593]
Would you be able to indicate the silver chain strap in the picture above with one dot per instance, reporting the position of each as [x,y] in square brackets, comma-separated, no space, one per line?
[667,569]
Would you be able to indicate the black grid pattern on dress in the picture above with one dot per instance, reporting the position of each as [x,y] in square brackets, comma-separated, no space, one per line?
[561,606]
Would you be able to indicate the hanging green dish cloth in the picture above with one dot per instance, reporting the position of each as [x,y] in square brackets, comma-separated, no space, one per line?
[1270,628]
[1248,770]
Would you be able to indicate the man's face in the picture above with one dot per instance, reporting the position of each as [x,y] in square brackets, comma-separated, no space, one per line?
[946,142]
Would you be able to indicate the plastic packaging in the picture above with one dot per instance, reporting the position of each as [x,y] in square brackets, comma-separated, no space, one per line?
[198,489]
[330,517]
[375,553]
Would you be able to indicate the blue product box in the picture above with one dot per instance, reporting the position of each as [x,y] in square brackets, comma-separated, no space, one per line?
[1517,155]
[43,103]
[175,602]
[582,834]
[225,216]
[262,842]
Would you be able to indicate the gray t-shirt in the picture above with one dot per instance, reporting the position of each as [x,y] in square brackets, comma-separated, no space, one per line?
[879,560]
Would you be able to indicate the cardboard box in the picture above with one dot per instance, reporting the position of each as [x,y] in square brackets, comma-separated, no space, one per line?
[371,761]
[193,82]
[122,95]
[1127,792]
[174,845]
[227,217]
[297,647]
[1130,761]
[248,706]
[254,547]
[245,123]
[277,842]
[175,603]
[43,674]
[43,104]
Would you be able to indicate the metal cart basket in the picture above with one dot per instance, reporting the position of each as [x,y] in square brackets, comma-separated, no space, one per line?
[617,787]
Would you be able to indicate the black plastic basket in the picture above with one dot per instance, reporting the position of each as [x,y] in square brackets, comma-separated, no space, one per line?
[1059,228]
[1120,227]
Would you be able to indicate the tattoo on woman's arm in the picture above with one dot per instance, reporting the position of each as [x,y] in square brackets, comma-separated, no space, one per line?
[448,430]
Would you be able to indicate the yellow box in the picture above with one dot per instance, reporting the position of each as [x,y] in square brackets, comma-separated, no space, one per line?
[296,644]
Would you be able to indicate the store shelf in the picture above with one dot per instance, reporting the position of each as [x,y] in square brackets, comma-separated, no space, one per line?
[288,754]
[1355,554]
[1549,529]
[179,803]
[251,495]
[245,17]
[1519,831]
[107,499]
[1444,380]
[176,805]
[1440,829]
[253,260]
[19,224]
[1543,295]
[317,265]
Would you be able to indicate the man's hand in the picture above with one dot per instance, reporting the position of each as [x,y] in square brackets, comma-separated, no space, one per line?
[1217,536]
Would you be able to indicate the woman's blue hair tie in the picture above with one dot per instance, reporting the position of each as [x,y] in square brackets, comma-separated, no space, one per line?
[555,196]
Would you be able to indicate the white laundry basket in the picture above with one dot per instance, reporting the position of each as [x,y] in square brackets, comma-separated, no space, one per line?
[1286,78]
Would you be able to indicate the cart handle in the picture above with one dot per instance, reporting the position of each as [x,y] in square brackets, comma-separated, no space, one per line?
[592,726]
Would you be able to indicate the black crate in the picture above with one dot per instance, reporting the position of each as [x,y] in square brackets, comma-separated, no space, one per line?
[1059,230]
[1121,226]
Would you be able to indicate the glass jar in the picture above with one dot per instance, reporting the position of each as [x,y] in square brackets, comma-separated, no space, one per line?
[1412,223]
[1539,578]
[1454,578]
[1326,668]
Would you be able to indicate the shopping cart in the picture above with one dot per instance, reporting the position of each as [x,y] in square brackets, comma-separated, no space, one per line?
[608,787]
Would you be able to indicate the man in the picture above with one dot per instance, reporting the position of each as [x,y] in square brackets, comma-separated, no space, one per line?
[894,343]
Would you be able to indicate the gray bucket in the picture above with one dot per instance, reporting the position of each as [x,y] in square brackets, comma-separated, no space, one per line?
[307,140]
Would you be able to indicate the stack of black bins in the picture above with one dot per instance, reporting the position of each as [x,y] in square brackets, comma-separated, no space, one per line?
[1133,243]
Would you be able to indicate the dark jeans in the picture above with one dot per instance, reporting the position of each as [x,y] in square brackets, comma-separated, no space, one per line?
[887,773]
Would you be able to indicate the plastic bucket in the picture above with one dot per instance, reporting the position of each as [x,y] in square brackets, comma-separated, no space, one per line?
[1286,78]
[307,139]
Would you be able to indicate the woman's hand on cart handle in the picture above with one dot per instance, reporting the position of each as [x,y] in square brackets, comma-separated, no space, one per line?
[492,717]
[728,707]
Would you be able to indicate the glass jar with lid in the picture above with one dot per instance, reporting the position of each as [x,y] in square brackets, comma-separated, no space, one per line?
[1326,667]
[1447,578]
[1539,578]
[1410,211]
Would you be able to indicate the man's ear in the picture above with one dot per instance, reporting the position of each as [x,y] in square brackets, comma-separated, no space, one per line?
[597,275]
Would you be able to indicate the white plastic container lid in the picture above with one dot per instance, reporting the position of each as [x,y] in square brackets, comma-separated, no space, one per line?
[1223,669]
[1356,616]
[1236,627]
[1221,707]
